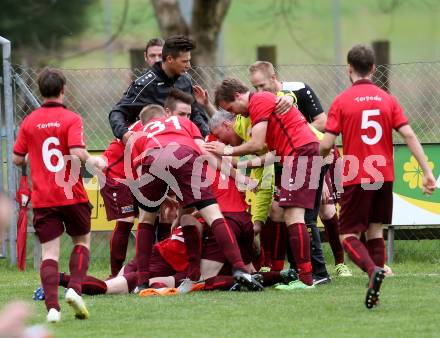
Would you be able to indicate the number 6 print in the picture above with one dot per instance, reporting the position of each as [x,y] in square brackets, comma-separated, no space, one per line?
[48,153]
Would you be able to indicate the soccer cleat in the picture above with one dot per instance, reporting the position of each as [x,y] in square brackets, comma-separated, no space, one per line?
[39,294]
[235,287]
[343,270]
[247,281]
[77,304]
[158,292]
[186,286]
[53,316]
[372,297]
[289,275]
[321,280]
[141,287]
[294,285]
[258,278]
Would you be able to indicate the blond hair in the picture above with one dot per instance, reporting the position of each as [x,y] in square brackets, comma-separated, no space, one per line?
[151,111]
[262,66]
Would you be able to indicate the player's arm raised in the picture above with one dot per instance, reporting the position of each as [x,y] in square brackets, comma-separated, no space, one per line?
[202,98]
[416,149]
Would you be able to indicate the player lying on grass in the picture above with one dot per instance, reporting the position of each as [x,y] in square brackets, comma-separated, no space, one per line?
[169,267]
[365,116]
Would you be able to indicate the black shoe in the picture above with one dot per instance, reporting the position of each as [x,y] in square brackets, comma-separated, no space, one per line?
[258,277]
[372,297]
[141,287]
[288,276]
[235,287]
[247,281]
[321,280]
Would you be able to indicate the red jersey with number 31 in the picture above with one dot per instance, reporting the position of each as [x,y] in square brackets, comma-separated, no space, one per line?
[159,132]
[46,135]
[365,116]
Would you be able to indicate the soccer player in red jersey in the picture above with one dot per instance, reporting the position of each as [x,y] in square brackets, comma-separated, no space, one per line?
[263,77]
[167,155]
[52,137]
[118,201]
[291,138]
[365,116]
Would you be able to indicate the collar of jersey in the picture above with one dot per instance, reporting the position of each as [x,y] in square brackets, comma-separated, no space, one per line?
[157,68]
[50,104]
[362,81]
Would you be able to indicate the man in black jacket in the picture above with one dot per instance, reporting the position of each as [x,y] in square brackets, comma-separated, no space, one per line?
[154,85]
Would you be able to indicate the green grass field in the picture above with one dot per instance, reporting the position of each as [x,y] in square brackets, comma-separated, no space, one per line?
[409,307]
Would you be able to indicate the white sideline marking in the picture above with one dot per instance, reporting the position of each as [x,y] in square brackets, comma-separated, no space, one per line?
[419,274]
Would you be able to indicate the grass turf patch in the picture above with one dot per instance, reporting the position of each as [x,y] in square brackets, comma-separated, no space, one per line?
[409,307]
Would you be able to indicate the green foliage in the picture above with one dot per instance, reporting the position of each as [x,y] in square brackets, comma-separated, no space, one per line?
[41,26]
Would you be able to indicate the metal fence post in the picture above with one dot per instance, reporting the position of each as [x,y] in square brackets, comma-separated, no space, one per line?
[390,245]
[9,124]
[3,243]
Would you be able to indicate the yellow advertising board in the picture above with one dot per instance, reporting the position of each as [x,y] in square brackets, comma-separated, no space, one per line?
[99,217]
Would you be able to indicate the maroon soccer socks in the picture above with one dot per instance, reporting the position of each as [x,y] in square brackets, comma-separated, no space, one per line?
[220,282]
[144,247]
[299,240]
[49,280]
[228,244]
[332,231]
[193,250]
[376,249]
[118,245]
[358,253]
[90,285]
[78,265]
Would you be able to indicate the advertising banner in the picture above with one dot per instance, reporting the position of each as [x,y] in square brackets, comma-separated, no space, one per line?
[411,206]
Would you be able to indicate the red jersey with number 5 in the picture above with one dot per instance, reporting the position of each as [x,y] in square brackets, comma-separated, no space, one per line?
[160,132]
[46,135]
[365,116]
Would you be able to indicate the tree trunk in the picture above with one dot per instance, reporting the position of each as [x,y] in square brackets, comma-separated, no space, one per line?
[169,17]
[207,19]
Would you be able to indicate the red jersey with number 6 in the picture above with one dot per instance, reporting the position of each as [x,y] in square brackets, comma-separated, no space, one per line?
[160,132]
[366,115]
[46,135]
